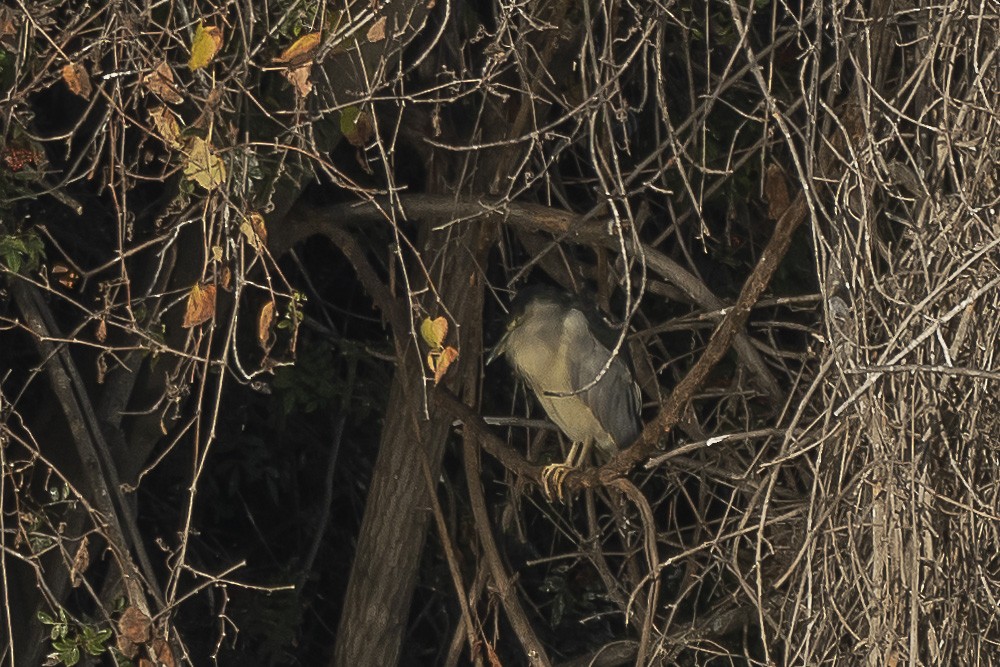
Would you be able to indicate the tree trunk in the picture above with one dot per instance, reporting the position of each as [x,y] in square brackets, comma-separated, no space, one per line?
[396,517]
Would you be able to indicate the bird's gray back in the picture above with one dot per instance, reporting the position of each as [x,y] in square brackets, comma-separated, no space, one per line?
[555,351]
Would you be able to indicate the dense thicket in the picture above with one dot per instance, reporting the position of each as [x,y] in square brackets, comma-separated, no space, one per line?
[229,231]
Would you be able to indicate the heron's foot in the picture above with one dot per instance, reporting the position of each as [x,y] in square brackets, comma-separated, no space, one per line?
[553,477]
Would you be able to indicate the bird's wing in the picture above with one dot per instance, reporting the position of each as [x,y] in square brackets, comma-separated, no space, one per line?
[614,400]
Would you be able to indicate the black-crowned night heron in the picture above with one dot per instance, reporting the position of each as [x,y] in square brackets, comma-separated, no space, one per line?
[563,348]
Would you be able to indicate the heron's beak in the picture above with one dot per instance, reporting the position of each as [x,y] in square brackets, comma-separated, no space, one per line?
[498,349]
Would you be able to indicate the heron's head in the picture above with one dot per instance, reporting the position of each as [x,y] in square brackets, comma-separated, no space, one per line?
[532,307]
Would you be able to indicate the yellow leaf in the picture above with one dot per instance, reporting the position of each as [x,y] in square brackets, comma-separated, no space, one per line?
[161,82]
[434,331]
[444,360]
[217,253]
[165,122]
[203,166]
[254,230]
[264,323]
[207,42]
[251,237]
[200,306]
[376,33]
[77,80]
[301,51]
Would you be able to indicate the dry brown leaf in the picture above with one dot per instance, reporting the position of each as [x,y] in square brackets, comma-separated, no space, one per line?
[8,22]
[80,563]
[102,331]
[66,276]
[434,331]
[77,79]
[363,130]
[356,126]
[492,655]
[376,33]
[200,306]
[444,360]
[165,122]
[135,626]
[264,323]
[206,44]
[164,656]
[161,82]
[259,228]
[776,192]
[301,52]
[299,78]
[128,648]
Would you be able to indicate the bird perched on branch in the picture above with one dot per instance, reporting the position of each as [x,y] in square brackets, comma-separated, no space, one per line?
[566,353]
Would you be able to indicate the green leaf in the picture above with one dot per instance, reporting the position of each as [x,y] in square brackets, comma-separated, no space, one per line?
[19,251]
[64,645]
[348,119]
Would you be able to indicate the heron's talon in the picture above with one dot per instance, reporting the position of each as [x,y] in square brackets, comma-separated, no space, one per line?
[553,476]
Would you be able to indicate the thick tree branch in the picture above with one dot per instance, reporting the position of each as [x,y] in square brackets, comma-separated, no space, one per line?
[304,222]
[98,463]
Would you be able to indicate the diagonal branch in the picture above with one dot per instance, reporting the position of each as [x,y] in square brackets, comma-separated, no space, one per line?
[120,528]
[722,338]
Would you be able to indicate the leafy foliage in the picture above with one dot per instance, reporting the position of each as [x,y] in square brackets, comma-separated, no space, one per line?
[72,640]
[22,251]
